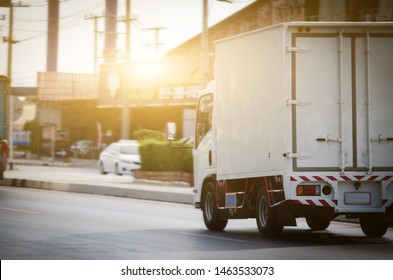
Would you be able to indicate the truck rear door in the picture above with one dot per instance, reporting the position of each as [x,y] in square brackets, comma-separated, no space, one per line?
[342,98]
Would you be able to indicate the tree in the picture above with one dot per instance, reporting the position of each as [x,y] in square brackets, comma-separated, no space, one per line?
[33,126]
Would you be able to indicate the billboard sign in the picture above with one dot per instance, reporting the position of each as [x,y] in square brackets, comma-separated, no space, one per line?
[151,82]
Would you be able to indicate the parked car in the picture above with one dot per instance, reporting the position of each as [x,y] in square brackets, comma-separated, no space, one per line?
[83,148]
[120,157]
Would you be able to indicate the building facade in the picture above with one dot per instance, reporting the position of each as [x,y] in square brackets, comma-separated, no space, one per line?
[157,97]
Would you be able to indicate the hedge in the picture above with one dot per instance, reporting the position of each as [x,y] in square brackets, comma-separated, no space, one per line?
[160,156]
[147,134]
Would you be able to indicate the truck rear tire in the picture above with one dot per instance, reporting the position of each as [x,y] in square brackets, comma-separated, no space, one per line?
[210,211]
[372,226]
[266,216]
[317,222]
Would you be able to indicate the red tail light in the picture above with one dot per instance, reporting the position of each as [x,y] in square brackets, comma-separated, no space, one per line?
[308,190]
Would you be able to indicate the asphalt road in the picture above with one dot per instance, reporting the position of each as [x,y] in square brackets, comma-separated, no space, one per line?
[49,225]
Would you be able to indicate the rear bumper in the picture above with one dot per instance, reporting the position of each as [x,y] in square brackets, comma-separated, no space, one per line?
[350,194]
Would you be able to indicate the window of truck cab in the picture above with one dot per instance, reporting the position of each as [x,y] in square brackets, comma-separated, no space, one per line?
[203,118]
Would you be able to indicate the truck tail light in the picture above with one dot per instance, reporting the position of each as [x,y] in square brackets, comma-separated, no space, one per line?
[308,190]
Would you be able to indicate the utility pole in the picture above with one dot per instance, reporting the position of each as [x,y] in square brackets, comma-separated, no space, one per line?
[11,41]
[53,35]
[204,44]
[125,131]
[156,39]
[95,18]
[125,117]
[110,31]
[128,21]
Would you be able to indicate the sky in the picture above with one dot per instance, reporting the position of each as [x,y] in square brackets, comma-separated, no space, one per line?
[180,20]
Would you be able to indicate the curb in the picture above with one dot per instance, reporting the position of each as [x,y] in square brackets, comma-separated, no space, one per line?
[156,195]
[40,163]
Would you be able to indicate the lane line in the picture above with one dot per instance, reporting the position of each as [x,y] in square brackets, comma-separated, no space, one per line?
[18,210]
[216,237]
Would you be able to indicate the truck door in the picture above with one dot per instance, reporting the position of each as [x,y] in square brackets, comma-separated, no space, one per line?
[342,101]
[203,152]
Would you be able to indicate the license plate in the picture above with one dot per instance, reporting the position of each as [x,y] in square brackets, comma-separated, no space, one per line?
[357,198]
[230,200]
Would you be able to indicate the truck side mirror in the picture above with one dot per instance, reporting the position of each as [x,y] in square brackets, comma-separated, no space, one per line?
[171,131]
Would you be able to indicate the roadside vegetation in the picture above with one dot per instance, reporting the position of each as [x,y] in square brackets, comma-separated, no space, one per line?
[157,154]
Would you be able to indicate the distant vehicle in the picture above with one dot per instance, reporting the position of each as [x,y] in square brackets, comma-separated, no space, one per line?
[121,157]
[82,148]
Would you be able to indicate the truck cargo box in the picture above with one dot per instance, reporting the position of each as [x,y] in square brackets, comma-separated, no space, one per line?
[305,97]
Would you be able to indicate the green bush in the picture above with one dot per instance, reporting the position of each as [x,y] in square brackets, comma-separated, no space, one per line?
[160,156]
[147,134]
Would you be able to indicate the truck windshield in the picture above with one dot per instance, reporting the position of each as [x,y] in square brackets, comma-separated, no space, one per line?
[204,117]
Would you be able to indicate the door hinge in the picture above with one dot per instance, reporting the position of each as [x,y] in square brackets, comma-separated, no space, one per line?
[329,139]
[298,102]
[381,139]
[297,49]
[297,155]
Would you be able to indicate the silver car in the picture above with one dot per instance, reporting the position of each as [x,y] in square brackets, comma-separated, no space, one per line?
[121,157]
[82,148]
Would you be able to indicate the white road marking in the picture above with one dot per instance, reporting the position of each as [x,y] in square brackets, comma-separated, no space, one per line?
[216,237]
[18,210]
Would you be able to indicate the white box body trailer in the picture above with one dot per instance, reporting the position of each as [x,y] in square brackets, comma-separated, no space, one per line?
[298,123]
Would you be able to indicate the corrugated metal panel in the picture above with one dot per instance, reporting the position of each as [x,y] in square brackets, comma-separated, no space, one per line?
[54,86]
[332,10]
[385,12]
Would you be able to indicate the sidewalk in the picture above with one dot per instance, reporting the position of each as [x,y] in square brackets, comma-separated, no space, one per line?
[119,186]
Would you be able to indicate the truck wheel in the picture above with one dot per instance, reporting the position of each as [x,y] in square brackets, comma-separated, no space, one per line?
[317,222]
[210,211]
[267,221]
[372,226]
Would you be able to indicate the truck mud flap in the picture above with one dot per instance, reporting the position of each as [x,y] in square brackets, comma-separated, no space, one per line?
[286,214]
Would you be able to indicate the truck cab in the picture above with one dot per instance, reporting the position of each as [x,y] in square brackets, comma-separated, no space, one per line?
[204,144]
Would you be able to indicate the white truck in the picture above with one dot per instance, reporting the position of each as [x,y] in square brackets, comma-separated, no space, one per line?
[298,123]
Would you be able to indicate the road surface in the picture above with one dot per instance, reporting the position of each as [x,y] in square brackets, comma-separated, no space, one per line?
[50,225]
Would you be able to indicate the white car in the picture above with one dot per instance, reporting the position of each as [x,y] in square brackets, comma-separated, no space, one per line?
[121,157]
